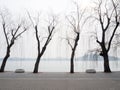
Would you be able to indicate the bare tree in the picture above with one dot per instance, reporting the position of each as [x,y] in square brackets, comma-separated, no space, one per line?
[108,18]
[11,35]
[50,31]
[76,22]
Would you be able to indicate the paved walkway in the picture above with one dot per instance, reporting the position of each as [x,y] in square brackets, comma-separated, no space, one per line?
[59,81]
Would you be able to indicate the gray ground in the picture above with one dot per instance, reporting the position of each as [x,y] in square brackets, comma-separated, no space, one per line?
[59,81]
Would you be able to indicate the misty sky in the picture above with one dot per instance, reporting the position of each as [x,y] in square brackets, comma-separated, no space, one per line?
[18,7]
[55,6]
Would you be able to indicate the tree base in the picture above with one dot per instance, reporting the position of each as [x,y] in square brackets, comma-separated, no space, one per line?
[71,72]
[35,72]
[107,71]
[1,71]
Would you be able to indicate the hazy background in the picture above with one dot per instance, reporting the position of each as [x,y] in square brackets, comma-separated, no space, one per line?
[26,45]
[58,49]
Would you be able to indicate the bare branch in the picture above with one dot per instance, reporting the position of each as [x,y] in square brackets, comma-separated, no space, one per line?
[84,22]
[49,29]
[100,15]
[69,43]
[111,14]
[101,22]
[30,19]
[81,15]
[109,44]
[106,14]
[98,41]
[4,28]
[5,33]
[116,14]
[17,30]
[71,23]
[12,33]
[25,29]
[108,23]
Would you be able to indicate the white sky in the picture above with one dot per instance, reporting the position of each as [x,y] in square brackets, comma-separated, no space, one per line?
[47,6]
[56,6]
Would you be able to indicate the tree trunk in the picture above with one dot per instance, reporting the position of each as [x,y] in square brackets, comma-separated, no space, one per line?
[38,60]
[72,62]
[73,54]
[37,64]
[106,64]
[5,59]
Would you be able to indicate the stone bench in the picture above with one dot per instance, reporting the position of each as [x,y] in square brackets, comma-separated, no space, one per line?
[90,71]
[19,71]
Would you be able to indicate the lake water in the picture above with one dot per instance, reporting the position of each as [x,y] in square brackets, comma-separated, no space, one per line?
[59,66]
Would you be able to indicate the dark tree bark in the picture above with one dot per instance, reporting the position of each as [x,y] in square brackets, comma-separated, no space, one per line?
[76,22]
[6,57]
[73,54]
[105,48]
[38,48]
[38,59]
[14,33]
[37,64]
[106,63]
[40,53]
